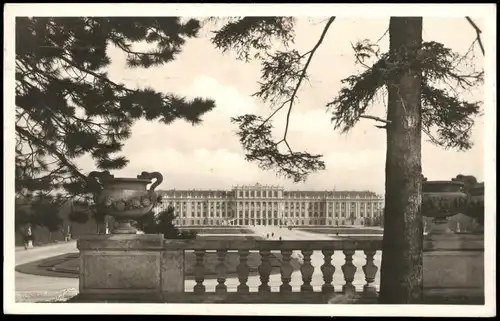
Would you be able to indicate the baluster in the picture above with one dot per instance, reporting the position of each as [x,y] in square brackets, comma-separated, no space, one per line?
[286,271]
[243,271]
[307,271]
[349,271]
[265,269]
[221,270]
[328,270]
[199,271]
[370,270]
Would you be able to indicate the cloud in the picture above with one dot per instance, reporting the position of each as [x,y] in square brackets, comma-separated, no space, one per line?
[216,130]
[230,101]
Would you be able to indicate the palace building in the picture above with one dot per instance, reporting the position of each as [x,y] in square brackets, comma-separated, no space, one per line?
[271,205]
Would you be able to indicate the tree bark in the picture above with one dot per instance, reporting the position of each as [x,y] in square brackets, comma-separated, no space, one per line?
[402,258]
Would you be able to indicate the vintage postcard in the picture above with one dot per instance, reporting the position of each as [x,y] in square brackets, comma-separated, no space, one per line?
[216,159]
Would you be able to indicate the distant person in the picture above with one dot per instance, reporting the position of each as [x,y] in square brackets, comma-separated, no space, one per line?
[280,238]
[272,234]
[65,234]
[27,238]
[267,236]
[25,241]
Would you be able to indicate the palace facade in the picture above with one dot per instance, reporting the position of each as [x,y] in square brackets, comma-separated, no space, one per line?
[271,205]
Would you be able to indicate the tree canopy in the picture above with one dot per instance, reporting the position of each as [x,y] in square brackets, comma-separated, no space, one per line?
[68,106]
[447,118]
[162,223]
[38,210]
[424,82]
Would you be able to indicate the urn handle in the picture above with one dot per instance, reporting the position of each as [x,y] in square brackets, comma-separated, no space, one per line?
[94,180]
[150,176]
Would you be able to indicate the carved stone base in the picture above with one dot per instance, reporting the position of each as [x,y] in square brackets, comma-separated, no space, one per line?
[440,226]
[120,267]
[454,264]
[124,227]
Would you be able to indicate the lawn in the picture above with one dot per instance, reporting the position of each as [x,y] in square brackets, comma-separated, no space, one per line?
[232,237]
[68,265]
[218,230]
[341,230]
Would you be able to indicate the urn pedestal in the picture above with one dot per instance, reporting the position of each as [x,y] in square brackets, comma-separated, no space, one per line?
[121,268]
[125,199]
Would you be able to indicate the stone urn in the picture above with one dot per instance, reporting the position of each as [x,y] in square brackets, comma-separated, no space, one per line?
[477,194]
[476,203]
[442,199]
[125,199]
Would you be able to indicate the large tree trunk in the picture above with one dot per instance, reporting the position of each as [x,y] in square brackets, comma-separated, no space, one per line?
[401,270]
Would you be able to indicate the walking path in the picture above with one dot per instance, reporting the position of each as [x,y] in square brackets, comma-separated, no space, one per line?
[34,288]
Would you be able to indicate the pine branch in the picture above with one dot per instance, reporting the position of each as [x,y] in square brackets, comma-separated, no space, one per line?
[383,35]
[255,133]
[302,76]
[96,75]
[253,33]
[478,33]
[66,104]
[376,118]
[52,149]
[358,58]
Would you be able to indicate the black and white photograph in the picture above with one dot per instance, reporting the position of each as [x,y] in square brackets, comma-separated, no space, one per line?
[250,159]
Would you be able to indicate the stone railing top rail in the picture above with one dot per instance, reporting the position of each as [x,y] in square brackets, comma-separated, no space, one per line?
[157,242]
[336,245]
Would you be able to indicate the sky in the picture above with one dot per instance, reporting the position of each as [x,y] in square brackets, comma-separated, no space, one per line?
[209,156]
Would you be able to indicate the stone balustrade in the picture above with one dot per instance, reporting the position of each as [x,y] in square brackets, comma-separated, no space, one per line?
[120,266]
[147,268]
[176,252]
